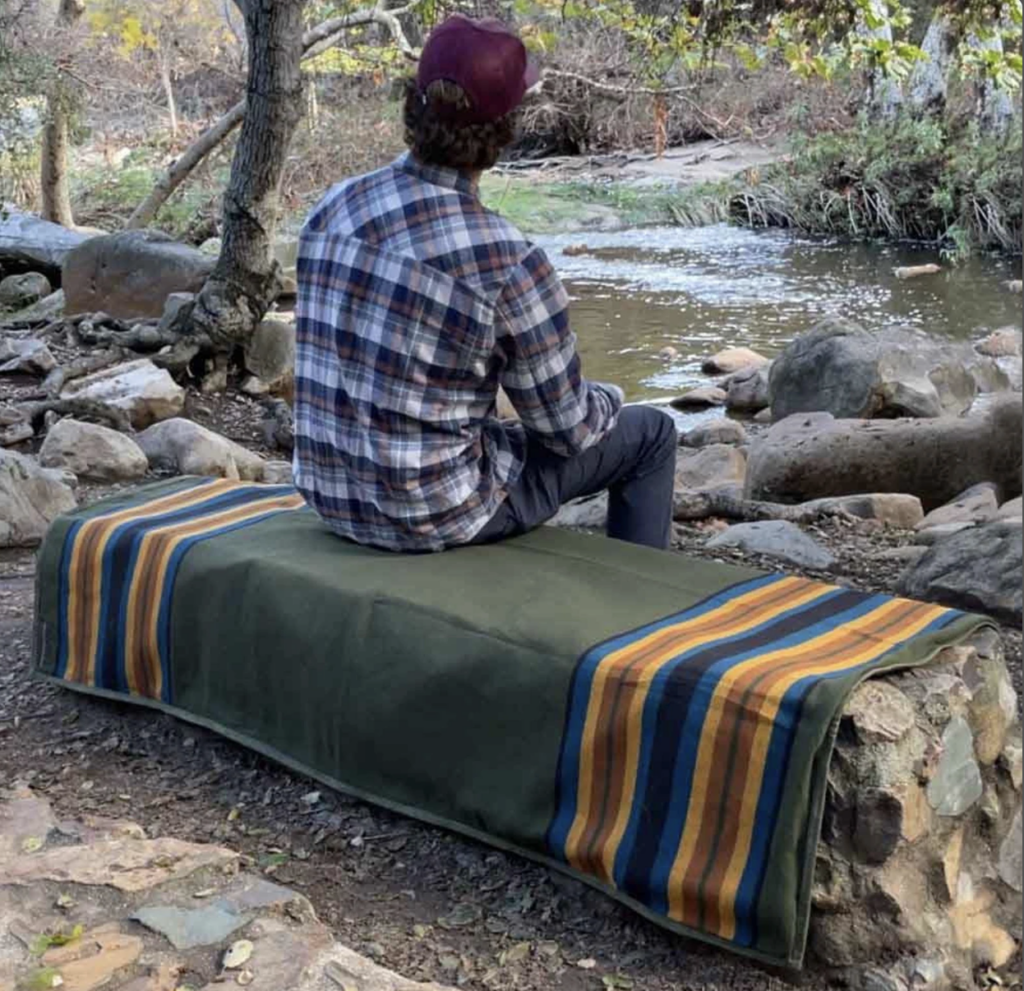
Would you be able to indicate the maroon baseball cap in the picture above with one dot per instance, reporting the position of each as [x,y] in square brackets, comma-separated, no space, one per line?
[486,59]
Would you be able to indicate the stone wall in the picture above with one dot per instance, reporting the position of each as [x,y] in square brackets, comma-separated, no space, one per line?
[918,875]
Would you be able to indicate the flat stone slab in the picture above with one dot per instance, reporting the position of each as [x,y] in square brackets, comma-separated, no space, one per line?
[778,539]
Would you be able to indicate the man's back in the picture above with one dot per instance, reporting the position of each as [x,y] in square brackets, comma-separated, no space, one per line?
[410,313]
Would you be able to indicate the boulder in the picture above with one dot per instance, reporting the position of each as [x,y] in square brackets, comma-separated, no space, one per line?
[1011,509]
[48,308]
[270,353]
[1002,343]
[146,393]
[28,244]
[190,449]
[92,452]
[811,456]
[841,369]
[278,473]
[721,431]
[977,569]
[29,356]
[285,251]
[31,497]
[893,508]
[702,396]
[131,274]
[978,504]
[748,390]
[710,467]
[730,360]
[19,291]
[777,539]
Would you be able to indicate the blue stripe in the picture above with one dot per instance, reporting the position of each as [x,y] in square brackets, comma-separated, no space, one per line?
[776,766]
[652,706]
[686,758]
[579,700]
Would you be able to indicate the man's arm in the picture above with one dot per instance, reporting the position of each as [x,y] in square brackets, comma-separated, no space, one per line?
[542,373]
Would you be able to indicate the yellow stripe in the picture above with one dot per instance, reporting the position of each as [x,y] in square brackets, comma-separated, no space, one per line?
[723,623]
[82,596]
[150,653]
[752,792]
[194,496]
[634,723]
[702,771]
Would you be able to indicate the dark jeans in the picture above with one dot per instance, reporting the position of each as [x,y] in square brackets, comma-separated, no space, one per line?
[635,462]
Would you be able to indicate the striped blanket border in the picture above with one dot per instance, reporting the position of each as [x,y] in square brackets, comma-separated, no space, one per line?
[679,735]
[117,573]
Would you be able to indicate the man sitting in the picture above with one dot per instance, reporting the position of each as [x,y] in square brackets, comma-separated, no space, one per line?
[415,303]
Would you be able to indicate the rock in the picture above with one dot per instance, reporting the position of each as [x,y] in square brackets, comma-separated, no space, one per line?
[190,449]
[29,357]
[93,452]
[878,825]
[777,539]
[1014,285]
[957,783]
[188,928]
[590,513]
[880,712]
[880,980]
[30,244]
[1013,509]
[46,309]
[917,813]
[710,467]
[913,271]
[19,291]
[731,360]
[1012,761]
[925,538]
[721,431]
[278,473]
[128,864]
[702,396]
[146,393]
[993,706]
[1009,865]
[177,312]
[892,508]
[814,455]
[131,274]
[904,555]
[254,386]
[93,960]
[978,504]
[951,863]
[748,391]
[977,569]
[668,353]
[1002,343]
[31,497]
[270,354]
[844,370]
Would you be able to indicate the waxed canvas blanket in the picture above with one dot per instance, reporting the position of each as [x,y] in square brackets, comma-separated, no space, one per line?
[658,726]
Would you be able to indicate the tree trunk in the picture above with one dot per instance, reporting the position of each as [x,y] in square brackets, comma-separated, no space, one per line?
[168,85]
[926,89]
[995,105]
[246,279]
[884,94]
[56,193]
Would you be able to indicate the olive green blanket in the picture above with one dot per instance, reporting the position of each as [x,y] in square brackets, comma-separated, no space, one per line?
[657,726]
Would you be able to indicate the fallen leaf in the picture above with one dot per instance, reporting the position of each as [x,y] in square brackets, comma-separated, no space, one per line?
[587,963]
[31,844]
[311,798]
[464,914]
[205,893]
[234,814]
[237,954]
[617,981]
[515,954]
[245,977]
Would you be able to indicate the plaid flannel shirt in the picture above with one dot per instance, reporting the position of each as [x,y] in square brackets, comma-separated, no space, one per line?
[414,303]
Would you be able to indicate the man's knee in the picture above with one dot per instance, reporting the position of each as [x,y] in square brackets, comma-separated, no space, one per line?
[651,430]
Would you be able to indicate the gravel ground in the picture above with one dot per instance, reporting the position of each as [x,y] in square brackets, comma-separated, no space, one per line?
[419,900]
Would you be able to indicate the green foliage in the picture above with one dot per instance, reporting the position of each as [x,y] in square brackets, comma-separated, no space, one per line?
[924,180]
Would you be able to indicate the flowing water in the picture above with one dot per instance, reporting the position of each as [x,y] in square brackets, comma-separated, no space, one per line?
[701,289]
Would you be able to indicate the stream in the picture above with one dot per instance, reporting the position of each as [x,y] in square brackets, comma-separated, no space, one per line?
[701,289]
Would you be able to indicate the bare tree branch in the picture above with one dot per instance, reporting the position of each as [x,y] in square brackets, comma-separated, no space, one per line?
[618,90]
[315,41]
